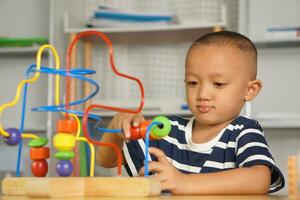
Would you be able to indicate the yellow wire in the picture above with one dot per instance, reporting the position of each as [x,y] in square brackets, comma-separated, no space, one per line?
[57,92]
[92,169]
[92,148]
[29,135]
[57,102]
[23,82]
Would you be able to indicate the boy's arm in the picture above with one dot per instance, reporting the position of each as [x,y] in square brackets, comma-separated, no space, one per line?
[251,180]
[106,155]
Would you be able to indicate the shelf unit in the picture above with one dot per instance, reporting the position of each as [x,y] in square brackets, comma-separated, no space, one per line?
[142,37]
[151,107]
[274,54]
[189,25]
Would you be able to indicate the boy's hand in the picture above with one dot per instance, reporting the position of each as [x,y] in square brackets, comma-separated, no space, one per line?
[170,178]
[124,121]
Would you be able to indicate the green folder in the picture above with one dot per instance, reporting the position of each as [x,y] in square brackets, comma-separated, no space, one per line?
[22,42]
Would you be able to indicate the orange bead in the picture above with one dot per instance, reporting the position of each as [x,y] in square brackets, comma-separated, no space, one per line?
[135,133]
[39,153]
[140,131]
[67,125]
[143,128]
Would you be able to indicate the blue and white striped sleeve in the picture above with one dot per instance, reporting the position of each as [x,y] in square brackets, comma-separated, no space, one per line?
[252,149]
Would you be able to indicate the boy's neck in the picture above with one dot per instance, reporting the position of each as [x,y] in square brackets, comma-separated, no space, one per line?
[202,133]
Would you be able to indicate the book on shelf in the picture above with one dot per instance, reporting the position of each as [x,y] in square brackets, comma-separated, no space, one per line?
[283,33]
[22,42]
[109,17]
[118,23]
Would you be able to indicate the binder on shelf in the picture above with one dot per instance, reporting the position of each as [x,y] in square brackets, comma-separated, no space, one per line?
[283,33]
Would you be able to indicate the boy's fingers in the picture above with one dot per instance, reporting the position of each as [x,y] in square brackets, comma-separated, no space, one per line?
[126,128]
[159,154]
[153,166]
[137,119]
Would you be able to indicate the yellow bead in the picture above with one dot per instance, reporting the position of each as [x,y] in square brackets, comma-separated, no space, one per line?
[64,141]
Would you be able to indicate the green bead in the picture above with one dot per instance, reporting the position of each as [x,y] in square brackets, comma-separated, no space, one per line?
[38,142]
[161,131]
[64,155]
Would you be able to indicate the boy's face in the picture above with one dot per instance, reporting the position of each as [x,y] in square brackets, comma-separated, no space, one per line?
[217,81]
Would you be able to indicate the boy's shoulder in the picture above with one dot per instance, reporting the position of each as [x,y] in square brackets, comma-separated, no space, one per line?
[244,122]
[241,126]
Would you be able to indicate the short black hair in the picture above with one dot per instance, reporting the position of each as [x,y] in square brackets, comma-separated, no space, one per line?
[227,38]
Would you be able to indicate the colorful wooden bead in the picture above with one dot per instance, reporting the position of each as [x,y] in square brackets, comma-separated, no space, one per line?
[64,141]
[143,129]
[39,153]
[156,132]
[64,168]
[64,155]
[66,125]
[39,168]
[162,130]
[14,137]
[39,142]
[140,131]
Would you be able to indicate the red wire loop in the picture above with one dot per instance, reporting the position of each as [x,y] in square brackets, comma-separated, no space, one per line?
[86,113]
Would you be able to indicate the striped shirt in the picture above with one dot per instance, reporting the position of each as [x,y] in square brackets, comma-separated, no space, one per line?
[239,144]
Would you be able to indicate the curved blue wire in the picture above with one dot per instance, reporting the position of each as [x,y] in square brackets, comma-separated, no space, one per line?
[109,130]
[64,73]
[20,146]
[146,162]
[21,130]
[76,73]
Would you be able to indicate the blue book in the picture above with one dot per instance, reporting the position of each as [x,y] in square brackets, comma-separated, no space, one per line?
[122,16]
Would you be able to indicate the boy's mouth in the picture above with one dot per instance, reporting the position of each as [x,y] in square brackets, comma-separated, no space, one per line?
[204,109]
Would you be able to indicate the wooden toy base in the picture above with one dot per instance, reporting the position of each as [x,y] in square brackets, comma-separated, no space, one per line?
[81,186]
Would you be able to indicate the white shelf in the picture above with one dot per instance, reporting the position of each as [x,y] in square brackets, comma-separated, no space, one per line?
[189,25]
[151,108]
[278,43]
[19,50]
[279,120]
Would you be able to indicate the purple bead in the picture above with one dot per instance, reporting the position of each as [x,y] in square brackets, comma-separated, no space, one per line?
[64,168]
[14,137]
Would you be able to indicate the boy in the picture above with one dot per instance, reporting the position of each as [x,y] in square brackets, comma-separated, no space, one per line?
[217,151]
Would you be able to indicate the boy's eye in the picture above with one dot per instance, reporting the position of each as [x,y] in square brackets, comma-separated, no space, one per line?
[219,84]
[192,83]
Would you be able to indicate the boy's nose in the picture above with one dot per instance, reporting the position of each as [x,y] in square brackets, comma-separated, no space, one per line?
[203,93]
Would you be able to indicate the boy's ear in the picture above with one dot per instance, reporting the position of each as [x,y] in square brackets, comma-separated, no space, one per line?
[253,89]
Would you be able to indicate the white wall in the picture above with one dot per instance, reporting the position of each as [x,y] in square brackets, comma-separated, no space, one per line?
[279,69]
[22,19]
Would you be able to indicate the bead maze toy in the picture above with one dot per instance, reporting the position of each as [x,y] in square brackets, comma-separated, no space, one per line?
[293,165]
[68,129]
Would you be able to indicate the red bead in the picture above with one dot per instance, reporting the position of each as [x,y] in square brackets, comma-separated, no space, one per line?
[39,168]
